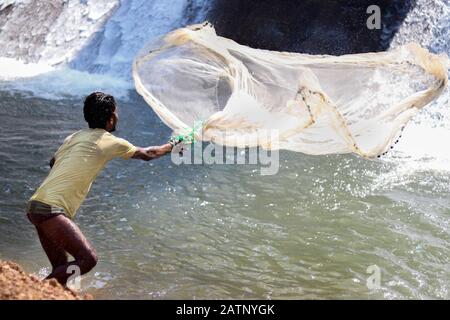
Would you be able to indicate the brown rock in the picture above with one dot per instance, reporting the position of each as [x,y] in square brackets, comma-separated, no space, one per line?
[53,282]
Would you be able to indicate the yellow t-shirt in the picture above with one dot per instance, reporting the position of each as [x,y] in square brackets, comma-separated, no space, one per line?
[77,163]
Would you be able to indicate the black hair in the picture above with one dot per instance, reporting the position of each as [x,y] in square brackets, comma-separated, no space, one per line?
[98,109]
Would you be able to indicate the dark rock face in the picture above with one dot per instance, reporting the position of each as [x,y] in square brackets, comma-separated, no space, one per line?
[309,26]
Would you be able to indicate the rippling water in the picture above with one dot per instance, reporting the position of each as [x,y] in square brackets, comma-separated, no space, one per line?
[224,231]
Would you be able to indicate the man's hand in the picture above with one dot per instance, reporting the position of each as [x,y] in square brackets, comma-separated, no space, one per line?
[153,152]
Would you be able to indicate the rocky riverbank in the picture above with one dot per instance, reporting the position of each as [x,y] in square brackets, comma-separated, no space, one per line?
[16,284]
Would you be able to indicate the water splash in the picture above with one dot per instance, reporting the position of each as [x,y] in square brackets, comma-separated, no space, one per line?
[135,23]
[421,148]
[79,46]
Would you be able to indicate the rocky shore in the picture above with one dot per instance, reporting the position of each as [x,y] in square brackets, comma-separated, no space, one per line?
[16,284]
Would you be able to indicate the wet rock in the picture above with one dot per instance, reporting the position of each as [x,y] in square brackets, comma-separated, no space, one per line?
[308,26]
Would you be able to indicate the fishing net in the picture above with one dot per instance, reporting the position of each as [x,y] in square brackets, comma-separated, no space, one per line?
[210,88]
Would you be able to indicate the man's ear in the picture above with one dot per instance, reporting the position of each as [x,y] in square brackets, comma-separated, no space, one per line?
[111,121]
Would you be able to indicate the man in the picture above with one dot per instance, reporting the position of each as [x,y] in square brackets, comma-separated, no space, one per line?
[73,169]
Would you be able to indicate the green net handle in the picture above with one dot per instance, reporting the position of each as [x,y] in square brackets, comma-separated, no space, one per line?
[189,137]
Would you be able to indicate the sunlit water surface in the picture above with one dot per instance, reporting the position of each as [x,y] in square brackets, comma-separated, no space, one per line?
[164,231]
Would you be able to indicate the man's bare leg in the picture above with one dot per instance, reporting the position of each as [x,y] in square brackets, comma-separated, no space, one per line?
[60,233]
[55,254]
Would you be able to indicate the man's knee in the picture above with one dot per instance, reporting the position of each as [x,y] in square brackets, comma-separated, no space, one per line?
[92,259]
[88,261]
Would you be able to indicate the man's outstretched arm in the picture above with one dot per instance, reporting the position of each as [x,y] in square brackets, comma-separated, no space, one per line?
[152,152]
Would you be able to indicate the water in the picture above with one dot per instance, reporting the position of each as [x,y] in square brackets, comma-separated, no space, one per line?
[165,231]
[224,231]
[99,36]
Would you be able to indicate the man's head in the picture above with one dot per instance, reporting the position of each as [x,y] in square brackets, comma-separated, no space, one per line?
[100,111]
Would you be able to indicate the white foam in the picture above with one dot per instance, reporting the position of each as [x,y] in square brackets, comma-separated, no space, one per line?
[422,148]
[423,144]
[62,83]
[120,34]
[11,69]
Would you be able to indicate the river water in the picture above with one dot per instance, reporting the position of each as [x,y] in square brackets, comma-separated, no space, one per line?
[317,229]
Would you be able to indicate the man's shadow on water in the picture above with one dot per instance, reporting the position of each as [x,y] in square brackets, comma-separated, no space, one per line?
[309,26]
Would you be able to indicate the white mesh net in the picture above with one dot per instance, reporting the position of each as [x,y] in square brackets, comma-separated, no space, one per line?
[317,104]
